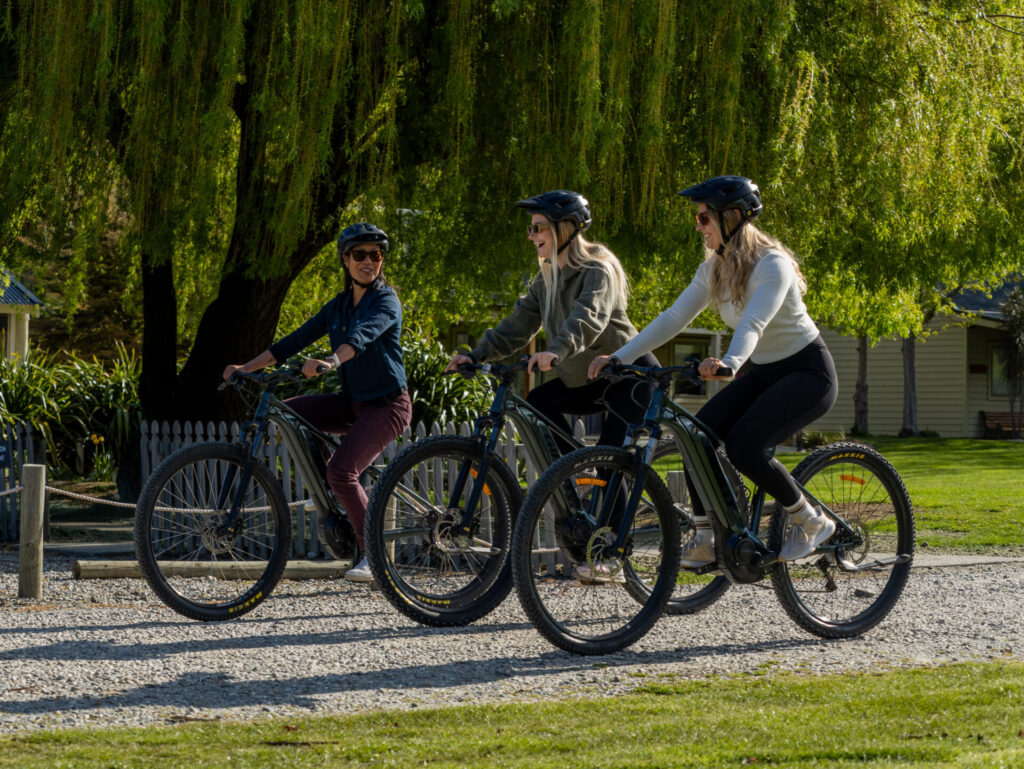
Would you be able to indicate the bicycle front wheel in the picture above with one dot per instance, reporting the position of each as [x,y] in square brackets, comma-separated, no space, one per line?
[428,568]
[845,591]
[579,594]
[212,531]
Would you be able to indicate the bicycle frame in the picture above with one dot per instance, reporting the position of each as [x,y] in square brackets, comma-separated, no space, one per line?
[253,433]
[537,431]
[696,443]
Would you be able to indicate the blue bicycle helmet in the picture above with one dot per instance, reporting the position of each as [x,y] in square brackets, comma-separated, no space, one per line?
[360,233]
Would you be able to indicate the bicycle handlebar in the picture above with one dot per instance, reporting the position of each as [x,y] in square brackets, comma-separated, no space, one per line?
[290,372]
[689,370]
[496,370]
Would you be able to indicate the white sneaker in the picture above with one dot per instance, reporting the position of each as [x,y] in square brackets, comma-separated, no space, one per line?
[699,551]
[360,572]
[604,571]
[808,528]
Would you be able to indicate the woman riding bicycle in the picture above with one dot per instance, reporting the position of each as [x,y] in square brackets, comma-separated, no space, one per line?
[757,287]
[372,407]
[579,298]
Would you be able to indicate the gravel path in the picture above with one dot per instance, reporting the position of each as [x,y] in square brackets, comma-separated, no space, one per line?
[105,652]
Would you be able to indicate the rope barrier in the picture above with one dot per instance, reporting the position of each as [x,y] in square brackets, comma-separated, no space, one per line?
[15,490]
[111,503]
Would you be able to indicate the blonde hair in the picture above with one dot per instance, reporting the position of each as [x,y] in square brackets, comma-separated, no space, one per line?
[580,253]
[731,269]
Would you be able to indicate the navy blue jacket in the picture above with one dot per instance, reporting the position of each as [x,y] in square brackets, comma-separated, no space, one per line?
[372,328]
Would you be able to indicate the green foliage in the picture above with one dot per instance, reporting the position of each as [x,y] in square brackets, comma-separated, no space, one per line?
[436,396]
[75,403]
[235,140]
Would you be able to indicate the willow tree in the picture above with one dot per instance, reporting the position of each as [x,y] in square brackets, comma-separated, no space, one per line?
[230,141]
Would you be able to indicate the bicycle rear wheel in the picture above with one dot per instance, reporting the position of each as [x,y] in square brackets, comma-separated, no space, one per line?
[197,562]
[426,567]
[581,596]
[845,592]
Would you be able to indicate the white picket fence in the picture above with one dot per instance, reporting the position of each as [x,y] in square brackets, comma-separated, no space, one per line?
[160,439]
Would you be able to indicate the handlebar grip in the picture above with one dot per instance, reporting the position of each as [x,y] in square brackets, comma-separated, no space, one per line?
[724,371]
[322,369]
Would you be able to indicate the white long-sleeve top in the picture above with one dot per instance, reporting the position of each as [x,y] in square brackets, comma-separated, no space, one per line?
[770,321]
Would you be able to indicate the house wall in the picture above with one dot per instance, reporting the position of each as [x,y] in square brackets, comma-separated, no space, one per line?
[941,360]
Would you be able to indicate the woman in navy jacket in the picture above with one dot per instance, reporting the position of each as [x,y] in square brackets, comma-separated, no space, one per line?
[372,407]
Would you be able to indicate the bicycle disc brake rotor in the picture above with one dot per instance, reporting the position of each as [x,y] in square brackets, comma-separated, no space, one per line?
[213,536]
[599,553]
[445,538]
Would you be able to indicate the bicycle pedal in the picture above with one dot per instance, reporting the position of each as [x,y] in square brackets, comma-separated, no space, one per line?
[711,568]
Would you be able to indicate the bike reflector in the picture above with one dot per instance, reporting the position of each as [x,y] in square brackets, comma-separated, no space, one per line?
[487,491]
[590,482]
[852,479]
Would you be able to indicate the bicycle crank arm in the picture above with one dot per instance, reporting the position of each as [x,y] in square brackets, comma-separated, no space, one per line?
[846,565]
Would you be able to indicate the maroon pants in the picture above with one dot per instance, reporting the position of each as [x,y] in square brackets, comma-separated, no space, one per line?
[367,429]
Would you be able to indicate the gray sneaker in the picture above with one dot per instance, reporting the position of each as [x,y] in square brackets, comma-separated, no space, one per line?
[360,572]
[699,551]
[807,530]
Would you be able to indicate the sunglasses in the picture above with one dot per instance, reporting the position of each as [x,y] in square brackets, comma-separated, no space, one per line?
[533,229]
[359,256]
[703,218]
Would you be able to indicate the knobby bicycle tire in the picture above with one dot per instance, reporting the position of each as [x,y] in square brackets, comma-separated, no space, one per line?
[423,566]
[191,562]
[860,486]
[594,613]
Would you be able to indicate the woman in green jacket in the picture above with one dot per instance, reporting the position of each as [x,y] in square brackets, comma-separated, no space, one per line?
[579,298]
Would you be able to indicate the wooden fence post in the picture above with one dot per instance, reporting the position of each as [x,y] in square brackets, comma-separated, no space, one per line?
[30,551]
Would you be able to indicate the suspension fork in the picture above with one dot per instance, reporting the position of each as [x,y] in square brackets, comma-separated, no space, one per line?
[649,430]
[495,420]
[259,425]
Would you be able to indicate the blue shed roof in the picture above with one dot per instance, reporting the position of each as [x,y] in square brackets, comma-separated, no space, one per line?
[12,292]
[986,305]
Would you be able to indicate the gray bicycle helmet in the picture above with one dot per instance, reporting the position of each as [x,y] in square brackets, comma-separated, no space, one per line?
[360,233]
[720,193]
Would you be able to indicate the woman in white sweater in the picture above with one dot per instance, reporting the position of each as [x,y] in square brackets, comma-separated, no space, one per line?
[756,285]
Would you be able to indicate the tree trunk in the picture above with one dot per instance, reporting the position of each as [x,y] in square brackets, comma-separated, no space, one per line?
[909,387]
[860,392]
[159,336]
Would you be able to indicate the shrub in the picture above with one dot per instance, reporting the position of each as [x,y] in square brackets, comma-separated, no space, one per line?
[812,439]
[70,402]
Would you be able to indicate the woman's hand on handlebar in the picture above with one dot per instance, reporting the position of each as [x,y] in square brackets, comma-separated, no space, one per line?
[709,367]
[458,359]
[230,369]
[544,361]
[597,365]
[313,367]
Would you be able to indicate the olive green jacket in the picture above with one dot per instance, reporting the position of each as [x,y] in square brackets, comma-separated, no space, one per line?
[586,321]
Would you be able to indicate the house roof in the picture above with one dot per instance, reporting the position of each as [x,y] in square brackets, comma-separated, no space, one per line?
[12,292]
[983,304]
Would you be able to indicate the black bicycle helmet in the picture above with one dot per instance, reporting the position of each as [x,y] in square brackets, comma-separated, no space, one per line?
[560,206]
[359,233]
[720,193]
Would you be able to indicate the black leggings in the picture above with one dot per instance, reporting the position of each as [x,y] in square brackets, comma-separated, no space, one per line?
[769,403]
[625,402]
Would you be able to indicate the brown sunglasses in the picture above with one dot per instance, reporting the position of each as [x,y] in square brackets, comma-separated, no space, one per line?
[359,256]
[703,218]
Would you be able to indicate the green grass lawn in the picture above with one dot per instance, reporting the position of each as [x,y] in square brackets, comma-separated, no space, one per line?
[969,715]
[968,495]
